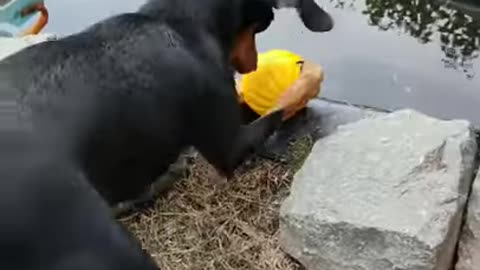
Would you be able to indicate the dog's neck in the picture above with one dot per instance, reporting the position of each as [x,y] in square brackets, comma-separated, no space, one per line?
[211,15]
[222,19]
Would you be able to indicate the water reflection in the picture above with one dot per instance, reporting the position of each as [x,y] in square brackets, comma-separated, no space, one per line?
[457,31]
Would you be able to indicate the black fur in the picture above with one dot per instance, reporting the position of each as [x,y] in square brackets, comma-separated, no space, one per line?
[129,93]
[113,106]
[52,218]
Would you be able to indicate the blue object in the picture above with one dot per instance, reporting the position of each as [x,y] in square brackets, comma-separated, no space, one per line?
[10,11]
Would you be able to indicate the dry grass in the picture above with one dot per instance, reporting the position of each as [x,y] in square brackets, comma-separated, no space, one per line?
[203,224]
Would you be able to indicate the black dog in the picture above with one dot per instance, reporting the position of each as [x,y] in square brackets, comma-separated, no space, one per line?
[52,218]
[128,94]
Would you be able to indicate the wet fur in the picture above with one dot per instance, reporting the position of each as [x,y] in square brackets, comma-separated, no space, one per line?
[113,106]
[131,92]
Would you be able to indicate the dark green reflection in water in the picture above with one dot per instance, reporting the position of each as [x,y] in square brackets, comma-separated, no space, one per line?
[456,24]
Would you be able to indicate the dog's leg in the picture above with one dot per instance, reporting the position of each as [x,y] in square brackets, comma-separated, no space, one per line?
[220,136]
[254,135]
[177,171]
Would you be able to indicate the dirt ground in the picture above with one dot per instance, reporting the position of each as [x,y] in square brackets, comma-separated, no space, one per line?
[203,224]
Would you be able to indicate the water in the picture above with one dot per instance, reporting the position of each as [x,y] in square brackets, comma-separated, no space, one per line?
[384,53]
[393,54]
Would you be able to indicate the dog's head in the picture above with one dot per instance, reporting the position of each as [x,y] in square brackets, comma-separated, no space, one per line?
[235,23]
[257,16]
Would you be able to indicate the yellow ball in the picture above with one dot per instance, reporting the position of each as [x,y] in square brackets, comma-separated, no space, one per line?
[276,71]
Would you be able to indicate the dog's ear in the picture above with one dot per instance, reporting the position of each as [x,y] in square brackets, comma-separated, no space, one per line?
[313,16]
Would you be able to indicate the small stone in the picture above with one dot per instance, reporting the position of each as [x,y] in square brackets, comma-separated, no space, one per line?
[360,203]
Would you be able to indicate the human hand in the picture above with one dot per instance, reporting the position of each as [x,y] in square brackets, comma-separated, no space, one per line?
[301,91]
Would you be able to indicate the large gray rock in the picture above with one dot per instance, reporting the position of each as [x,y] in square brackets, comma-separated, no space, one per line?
[469,246]
[379,194]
